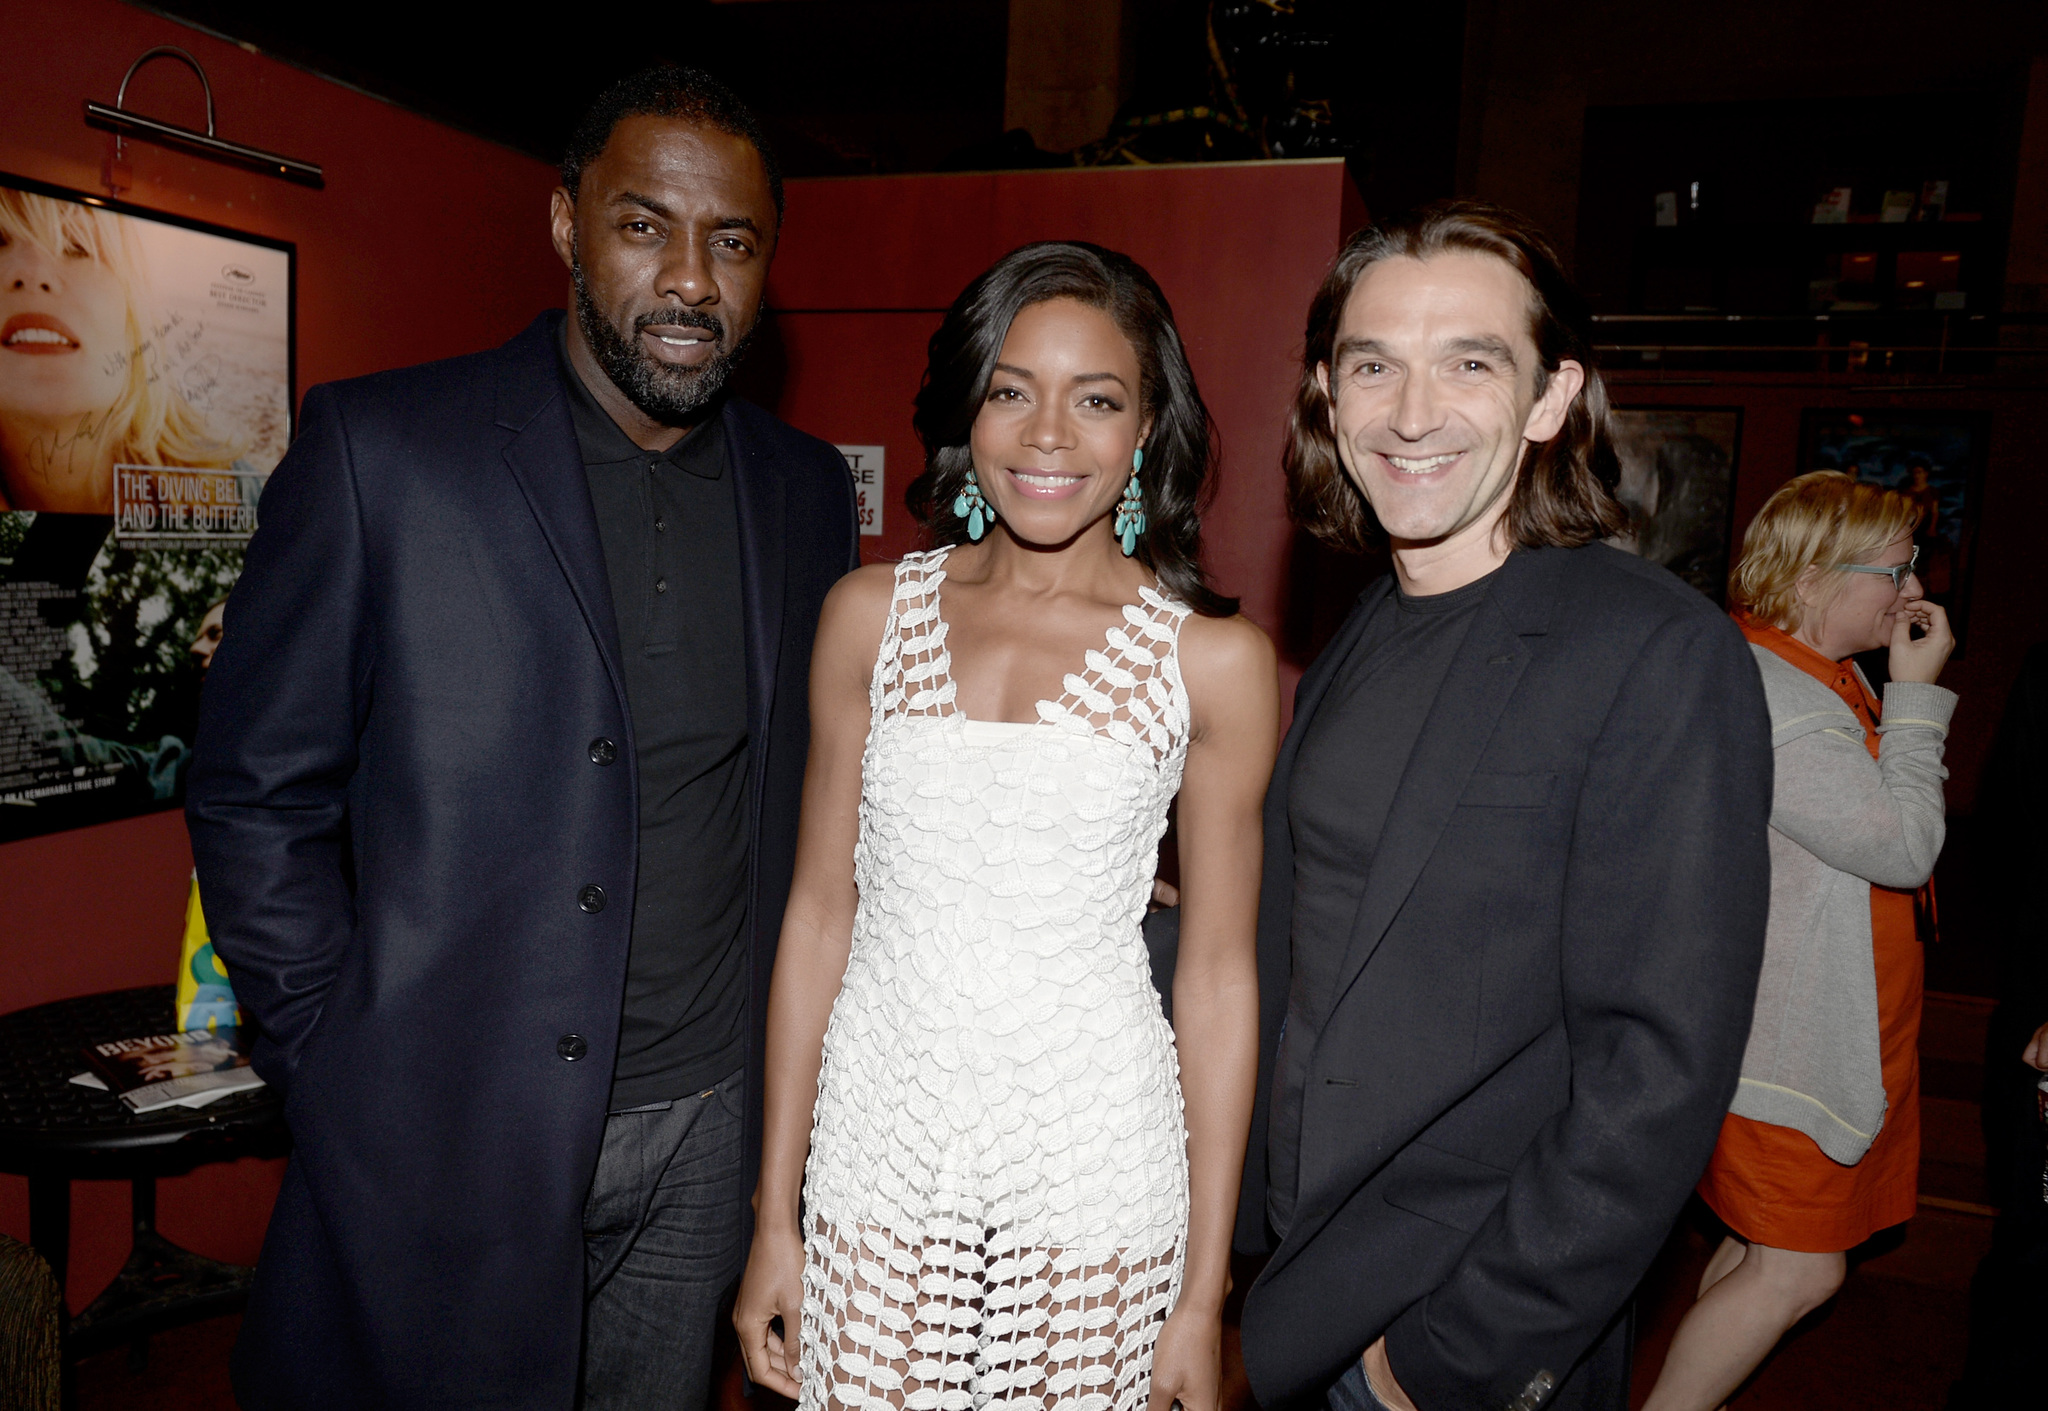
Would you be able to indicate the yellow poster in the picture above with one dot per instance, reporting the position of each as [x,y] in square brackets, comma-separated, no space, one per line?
[205,999]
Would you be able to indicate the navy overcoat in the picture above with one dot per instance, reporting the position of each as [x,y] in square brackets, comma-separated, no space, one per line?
[416,850]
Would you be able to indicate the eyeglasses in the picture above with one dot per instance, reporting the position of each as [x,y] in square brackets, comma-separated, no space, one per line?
[1897,572]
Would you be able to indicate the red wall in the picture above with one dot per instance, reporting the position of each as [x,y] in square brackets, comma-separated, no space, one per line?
[425,243]
[869,263]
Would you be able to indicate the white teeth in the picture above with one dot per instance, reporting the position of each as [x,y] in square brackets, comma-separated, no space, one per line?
[680,342]
[1046,482]
[36,335]
[1418,467]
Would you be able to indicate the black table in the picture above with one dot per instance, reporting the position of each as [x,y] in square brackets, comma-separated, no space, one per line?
[54,1132]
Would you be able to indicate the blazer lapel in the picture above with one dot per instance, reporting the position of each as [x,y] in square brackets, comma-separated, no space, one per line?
[1315,682]
[1276,888]
[545,460]
[1276,897]
[1475,691]
[761,500]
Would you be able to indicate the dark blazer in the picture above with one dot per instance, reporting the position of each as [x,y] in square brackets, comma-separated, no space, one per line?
[417,856]
[1542,1011]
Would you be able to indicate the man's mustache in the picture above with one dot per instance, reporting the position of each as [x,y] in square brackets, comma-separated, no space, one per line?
[682,318]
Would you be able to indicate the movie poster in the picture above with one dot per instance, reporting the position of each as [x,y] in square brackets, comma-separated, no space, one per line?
[145,395]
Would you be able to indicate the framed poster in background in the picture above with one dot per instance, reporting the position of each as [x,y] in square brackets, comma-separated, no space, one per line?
[1678,481]
[1937,458]
[146,378]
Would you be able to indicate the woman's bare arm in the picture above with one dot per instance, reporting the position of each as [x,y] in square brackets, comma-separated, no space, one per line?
[810,962]
[1229,669]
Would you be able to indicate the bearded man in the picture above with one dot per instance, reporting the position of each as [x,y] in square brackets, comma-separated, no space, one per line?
[495,808]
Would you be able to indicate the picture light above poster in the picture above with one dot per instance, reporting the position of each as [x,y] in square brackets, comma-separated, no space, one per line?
[146,384]
[123,123]
[1936,458]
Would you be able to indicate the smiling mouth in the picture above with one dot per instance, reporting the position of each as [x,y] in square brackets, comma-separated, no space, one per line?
[1046,484]
[1420,465]
[37,333]
[685,346]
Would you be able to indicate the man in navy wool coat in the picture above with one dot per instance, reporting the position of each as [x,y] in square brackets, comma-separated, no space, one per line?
[495,809]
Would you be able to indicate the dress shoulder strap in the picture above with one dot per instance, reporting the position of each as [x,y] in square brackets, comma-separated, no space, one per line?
[913,671]
[1131,690]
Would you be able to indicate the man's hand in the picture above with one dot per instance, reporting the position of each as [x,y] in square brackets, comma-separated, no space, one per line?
[1380,1377]
[2036,1052]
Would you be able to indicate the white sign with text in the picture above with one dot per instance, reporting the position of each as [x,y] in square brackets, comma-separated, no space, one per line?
[865,464]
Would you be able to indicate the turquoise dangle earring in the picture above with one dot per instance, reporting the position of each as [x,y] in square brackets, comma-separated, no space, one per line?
[1130,510]
[973,507]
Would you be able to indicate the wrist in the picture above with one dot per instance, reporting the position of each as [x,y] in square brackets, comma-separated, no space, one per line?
[777,1215]
[1202,1291]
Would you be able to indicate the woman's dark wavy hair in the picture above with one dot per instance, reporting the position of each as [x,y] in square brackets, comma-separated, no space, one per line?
[1180,454]
[1564,489]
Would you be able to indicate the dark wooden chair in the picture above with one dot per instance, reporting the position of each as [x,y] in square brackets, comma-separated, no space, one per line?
[31,1330]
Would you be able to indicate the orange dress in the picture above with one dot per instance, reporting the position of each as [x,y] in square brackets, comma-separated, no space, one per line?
[1773,1185]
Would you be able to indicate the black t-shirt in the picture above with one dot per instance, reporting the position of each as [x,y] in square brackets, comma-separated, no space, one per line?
[671,545]
[1345,777]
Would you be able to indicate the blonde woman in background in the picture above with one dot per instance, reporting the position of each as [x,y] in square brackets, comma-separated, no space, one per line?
[77,395]
[1821,1148]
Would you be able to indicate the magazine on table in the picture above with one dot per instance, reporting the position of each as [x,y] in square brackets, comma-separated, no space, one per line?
[189,1069]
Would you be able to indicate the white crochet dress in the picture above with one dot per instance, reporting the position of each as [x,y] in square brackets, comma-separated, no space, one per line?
[997,1188]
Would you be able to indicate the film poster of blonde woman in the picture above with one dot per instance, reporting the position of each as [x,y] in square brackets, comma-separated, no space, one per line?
[145,394]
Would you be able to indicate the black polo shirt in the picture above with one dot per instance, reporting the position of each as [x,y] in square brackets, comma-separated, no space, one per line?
[671,549]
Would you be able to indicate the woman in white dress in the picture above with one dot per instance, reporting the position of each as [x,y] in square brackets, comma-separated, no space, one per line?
[992,1175]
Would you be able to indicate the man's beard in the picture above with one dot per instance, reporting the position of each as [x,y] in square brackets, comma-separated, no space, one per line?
[671,395]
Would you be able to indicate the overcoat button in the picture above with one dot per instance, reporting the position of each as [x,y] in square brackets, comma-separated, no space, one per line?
[603,751]
[591,899]
[571,1047]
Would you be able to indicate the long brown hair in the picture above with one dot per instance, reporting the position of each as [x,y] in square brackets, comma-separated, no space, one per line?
[1564,488]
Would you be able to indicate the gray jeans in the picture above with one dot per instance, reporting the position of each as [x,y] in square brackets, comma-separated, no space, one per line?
[661,1244]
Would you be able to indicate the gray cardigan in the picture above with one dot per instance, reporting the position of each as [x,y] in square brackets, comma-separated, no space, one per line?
[1840,821]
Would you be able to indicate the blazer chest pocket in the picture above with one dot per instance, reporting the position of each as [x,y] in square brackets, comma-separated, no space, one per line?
[1507,791]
